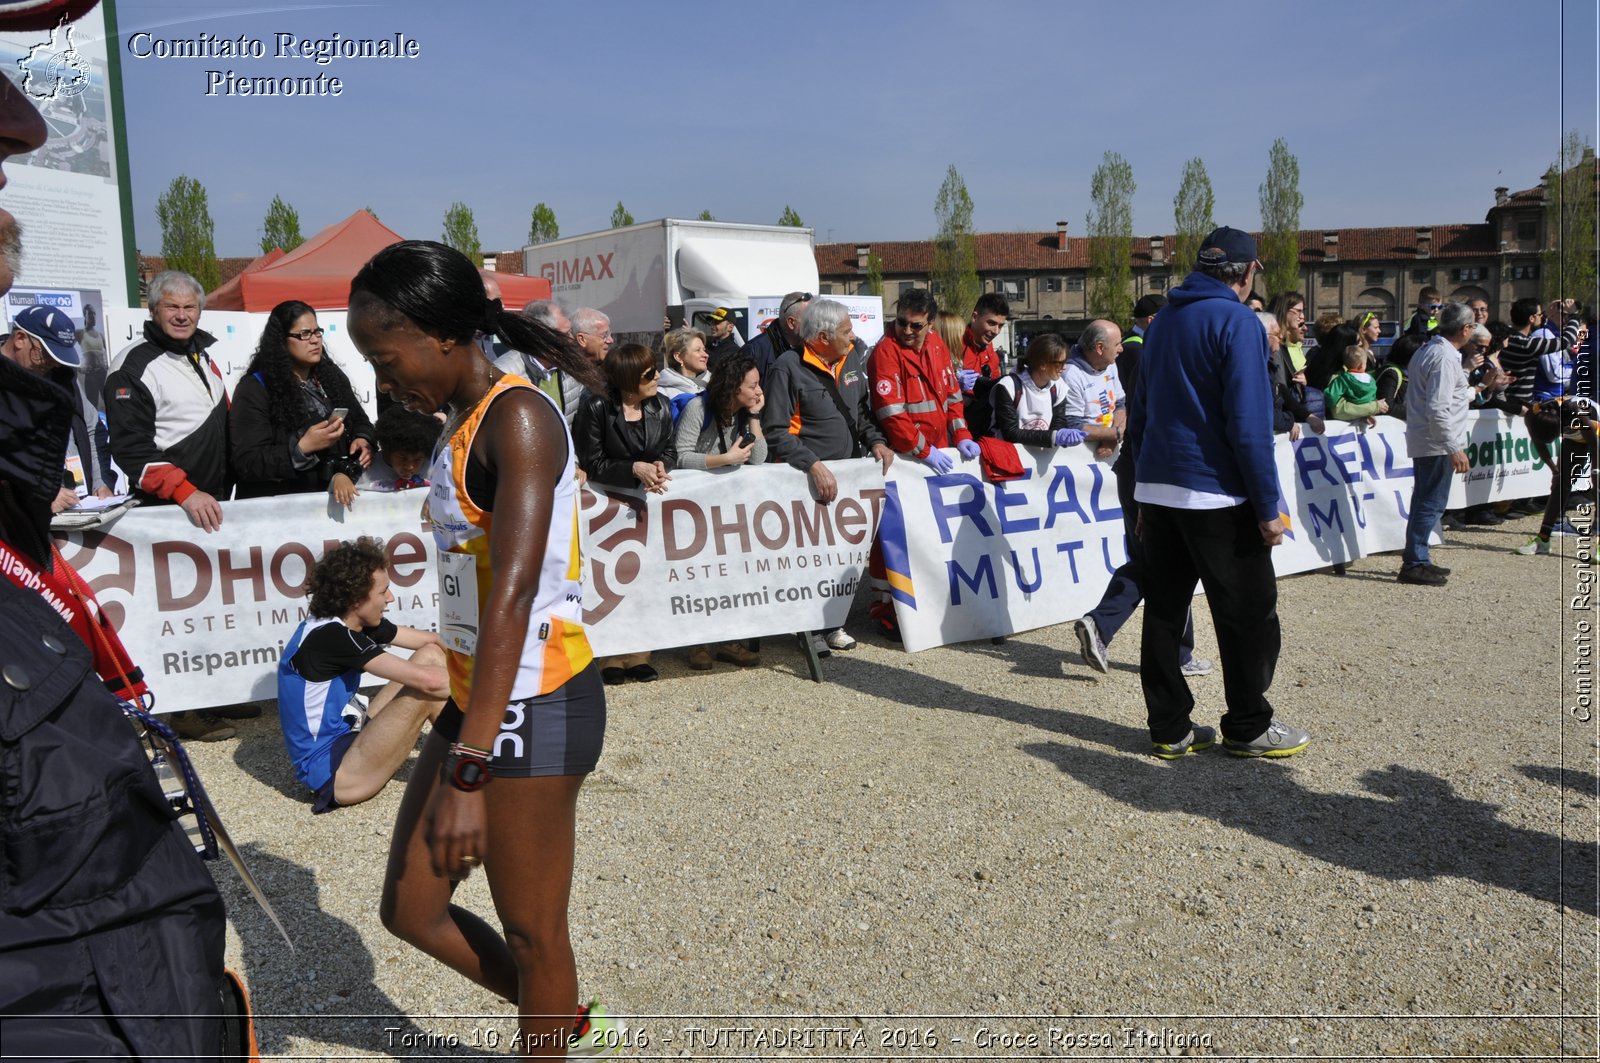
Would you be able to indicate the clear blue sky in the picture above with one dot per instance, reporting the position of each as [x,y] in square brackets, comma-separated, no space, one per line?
[1399,112]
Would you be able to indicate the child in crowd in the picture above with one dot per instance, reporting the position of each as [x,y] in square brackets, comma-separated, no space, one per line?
[1353,394]
[405,443]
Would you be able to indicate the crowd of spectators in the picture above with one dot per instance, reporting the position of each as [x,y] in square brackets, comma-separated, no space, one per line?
[804,392]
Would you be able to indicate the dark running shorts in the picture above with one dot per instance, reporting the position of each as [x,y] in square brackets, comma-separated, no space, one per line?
[324,797]
[559,733]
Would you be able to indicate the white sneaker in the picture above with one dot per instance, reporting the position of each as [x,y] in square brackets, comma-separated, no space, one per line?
[1094,650]
[1534,547]
[839,639]
[1195,666]
[820,647]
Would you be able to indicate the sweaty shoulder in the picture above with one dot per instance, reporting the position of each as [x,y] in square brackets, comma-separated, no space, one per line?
[521,404]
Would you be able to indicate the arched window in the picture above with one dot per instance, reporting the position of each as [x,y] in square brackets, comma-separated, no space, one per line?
[1377,300]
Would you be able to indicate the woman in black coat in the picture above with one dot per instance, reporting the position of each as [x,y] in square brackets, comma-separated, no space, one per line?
[285,437]
[625,439]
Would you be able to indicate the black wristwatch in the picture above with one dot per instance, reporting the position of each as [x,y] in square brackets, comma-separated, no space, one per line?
[467,773]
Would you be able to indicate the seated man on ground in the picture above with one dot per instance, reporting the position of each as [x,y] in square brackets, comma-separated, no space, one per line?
[343,755]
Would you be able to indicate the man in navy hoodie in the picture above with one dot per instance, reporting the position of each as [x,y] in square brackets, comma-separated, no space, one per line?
[1207,485]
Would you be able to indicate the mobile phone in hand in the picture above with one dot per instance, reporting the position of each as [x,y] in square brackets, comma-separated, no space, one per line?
[340,413]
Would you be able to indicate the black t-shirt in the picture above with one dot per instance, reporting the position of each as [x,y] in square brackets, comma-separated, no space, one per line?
[333,649]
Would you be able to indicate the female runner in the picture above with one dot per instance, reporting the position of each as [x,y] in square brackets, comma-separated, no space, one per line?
[497,781]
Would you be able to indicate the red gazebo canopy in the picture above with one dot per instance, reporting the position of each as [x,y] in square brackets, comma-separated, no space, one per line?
[319,271]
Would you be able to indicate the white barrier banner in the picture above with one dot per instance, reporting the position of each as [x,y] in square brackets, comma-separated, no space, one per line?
[744,552]
[206,616]
[970,559]
[726,555]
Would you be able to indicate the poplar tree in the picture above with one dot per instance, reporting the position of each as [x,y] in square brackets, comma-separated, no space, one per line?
[461,232]
[1191,212]
[281,228]
[542,227]
[620,216]
[1569,222]
[874,274]
[1110,228]
[789,217]
[1280,220]
[187,231]
[955,249]
[705,215]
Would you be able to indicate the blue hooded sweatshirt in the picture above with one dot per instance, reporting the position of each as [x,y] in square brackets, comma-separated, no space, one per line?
[1201,417]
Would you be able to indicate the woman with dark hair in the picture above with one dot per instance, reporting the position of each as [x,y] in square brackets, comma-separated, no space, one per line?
[1326,360]
[721,428]
[287,433]
[1392,375]
[624,438]
[527,711]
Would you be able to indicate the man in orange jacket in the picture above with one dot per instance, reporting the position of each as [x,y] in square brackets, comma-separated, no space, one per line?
[917,400]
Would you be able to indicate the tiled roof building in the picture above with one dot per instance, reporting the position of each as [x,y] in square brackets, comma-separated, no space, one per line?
[1044,275]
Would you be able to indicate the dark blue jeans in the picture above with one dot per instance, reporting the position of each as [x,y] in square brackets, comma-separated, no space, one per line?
[1126,589]
[1430,490]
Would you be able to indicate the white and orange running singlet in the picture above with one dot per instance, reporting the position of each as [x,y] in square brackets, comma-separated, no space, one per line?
[556,647]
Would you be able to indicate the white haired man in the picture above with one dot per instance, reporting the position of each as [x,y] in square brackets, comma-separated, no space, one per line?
[592,330]
[547,378]
[167,406]
[819,409]
[1437,398]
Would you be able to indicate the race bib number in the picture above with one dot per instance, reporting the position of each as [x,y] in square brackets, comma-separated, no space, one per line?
[458,601]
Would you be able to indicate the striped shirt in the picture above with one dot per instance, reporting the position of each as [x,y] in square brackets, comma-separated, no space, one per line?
[1520,357]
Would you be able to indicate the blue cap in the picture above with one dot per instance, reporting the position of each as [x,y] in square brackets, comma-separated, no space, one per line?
[53,329]
[1225,245]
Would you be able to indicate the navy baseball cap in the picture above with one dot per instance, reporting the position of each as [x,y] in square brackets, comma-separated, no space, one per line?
[1225,245]
[53,329]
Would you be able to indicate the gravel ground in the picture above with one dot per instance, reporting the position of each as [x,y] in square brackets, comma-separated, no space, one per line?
[972,841]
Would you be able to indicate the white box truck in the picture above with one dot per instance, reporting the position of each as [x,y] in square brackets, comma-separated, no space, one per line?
[639,274]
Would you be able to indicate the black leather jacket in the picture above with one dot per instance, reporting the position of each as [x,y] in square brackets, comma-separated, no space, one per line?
[602,442]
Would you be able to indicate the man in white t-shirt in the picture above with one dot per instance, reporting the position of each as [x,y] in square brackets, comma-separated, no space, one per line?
[1095,399]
